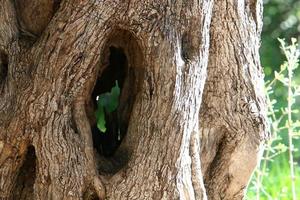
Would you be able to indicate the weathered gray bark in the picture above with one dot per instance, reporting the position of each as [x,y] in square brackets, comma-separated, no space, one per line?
[177,145]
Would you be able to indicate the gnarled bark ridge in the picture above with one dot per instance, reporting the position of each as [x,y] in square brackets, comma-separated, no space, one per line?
[191,105]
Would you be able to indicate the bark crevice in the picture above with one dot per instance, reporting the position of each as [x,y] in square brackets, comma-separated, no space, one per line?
[3,67]
[24,186]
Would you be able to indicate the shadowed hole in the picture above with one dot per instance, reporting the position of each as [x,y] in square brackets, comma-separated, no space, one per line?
[120,62]
[26,177]
[90,194]
[108,142]
[189,47]
[3,66]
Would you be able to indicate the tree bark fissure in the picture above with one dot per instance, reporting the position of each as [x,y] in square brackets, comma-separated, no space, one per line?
[192,98]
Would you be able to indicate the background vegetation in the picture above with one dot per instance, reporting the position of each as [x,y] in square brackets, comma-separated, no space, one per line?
[278,175]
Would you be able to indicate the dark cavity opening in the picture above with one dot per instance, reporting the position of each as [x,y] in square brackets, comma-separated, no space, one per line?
[108,142]
[26,177]
[189,48]
[56,5]
[121,60]
[3,66]
[90,194]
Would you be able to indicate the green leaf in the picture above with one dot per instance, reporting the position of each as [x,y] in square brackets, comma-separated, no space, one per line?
[100,116]
[103,99]
[283,66]
[107,103]
[114,98]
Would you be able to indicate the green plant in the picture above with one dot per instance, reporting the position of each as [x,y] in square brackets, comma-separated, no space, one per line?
[107,103]
[275,177]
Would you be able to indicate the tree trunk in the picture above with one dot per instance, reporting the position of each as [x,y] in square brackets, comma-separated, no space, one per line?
[191,117]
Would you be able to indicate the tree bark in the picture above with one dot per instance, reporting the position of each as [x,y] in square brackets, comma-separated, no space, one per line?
[192,104]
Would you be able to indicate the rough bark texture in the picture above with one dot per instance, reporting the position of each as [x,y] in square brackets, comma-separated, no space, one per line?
[232,117]
[192,99]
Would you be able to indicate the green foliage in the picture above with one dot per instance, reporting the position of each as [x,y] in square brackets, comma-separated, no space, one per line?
[276,181]
[107,103]
[281,20]
[277,177]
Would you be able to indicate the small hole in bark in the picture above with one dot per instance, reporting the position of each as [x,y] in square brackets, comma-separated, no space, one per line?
[184,47]
[56,5]
[26,177]
[189,46]
[3,66]
[90,194]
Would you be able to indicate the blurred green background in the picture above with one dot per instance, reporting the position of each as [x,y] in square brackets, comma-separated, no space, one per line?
[281,20]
